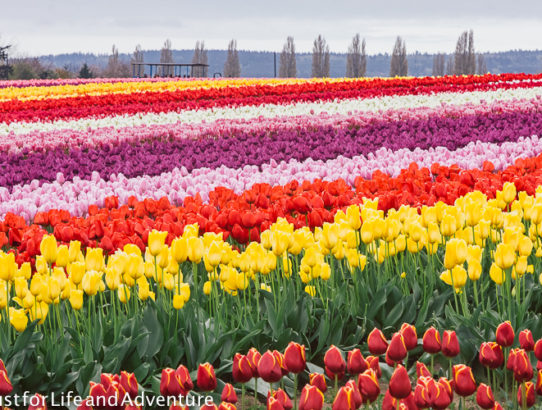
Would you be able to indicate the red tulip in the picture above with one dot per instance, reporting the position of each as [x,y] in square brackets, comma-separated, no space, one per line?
[37,402]
[464,382]
[356,394]
[484,397]
[440,393]
[538,349]
[274,404]
[281,396]
[5,384]
[227,406]
[511,361]
[409,335]
[539,383]
[206,379]
[539,365]
[421,392]
[431,341]
[400,386]
[505,334]
[422,370]
[356,364]
[311,398]
[318,380]
[526,394]
[374,364]
[280,359]
[128,382]
[491,355]
[450,344]
[368,386]
[242,370]
[269,368]
[209,407]
[377,342]
[97,391]
[344,400]
[254,358]
[397,350]
[294,358]
[523,370]
[497,406]
[334,362]
[228,394]
[85,405]
[526,340]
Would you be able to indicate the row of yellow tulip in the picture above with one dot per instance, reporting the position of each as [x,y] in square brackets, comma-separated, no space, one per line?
[505,229]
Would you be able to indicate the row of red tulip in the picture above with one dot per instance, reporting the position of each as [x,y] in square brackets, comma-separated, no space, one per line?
[272,366]
[164,101]
[245,216]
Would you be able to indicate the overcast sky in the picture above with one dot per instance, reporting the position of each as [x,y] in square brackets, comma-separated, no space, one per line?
[39,27]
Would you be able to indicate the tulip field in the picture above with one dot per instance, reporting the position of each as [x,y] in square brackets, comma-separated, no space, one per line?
[271,243]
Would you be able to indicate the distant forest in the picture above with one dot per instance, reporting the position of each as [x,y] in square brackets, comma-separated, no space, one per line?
[261,63]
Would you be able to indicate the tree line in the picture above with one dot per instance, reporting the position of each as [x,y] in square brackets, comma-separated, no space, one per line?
[464,60]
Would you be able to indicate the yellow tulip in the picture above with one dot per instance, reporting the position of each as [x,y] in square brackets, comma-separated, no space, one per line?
[213,254]
[367,231]
[25,271]
[456,253]
[76,299]
[112,279]
[132,249]
[94,260]
[62,256]
[179,249]
[525,246]
[76,270]
[195,249]
[338,251]
[509,192]
[496,274]
[36,284]
[475,270]
[135,267]
[156,241]
[39,312]
[505,256]
[91,282]
[191,231]
[325,272]
[330,235]
[242,281]
[18,319]
[21,287]
[207,288]
[311,290]
[456,277]
[123,293]
[48,248]
[74,250]
[168,281]
[178,302]
[448,226]
[8,266]
[353,216]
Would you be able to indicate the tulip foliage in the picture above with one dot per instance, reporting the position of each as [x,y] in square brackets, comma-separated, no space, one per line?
[155,229]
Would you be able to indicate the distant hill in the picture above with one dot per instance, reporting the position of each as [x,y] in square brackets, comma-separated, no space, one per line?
[260,63]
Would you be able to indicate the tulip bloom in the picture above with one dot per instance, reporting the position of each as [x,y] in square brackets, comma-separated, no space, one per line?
[377,342]
[523,370]
[400,386]
[37,402]
[431,341]
[538,349]
[274,404]
[128,382]
[206,379]
[227,406]
[294,358]
[368,386]
[505,334]
[450,344]
[397,350]
[242,370]
[422,370]
[334,362]
[269,368]
[344,400]
[464,382]
[440,393]
[254,358]
[5,384]
[280,396]
[526,395]
[409,335]
[526,340]
[356,364]
[318,380]
[484,396]
[311,398]
[421,392]
[491,355]
[374,364]
[356,394]
[228,394]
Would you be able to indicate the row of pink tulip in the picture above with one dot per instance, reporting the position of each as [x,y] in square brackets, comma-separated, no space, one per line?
[38,136]
[77,195]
